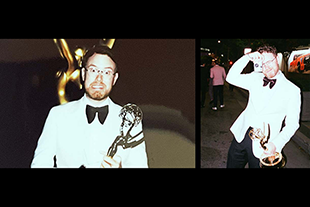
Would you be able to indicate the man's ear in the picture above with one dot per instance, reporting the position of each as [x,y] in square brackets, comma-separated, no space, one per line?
[115,78]
[83,74]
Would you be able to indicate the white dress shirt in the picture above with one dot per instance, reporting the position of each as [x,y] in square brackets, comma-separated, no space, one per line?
[68,135]
[272,106]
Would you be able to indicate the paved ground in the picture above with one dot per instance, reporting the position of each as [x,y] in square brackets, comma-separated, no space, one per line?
[216,136]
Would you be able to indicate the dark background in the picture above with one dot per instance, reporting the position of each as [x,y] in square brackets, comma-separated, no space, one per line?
[158,72]
[234,48]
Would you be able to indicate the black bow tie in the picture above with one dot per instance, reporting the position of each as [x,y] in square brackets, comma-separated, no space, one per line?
[91,113]
[271,81]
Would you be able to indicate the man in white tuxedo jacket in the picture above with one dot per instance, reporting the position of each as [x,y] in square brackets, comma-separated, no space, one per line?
[80,133]
[272,100]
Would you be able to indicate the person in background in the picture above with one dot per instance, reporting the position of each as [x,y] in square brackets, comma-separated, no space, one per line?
[203,83]
[218,74]
[206,81]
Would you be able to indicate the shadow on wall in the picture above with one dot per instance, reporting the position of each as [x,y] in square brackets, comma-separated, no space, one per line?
[162,117]
[170,138]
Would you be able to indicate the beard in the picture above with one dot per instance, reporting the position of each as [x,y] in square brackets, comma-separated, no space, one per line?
[97,95]
[271,72]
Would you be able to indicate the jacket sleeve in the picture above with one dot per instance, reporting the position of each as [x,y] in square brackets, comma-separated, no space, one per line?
[235,77]
[46,147]
[291,120]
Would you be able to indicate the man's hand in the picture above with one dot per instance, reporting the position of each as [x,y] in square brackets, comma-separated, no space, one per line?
[255,57]
[109,162]
[270,149]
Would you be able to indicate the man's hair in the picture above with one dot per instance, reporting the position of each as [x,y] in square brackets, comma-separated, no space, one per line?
[98,49]
[267,48]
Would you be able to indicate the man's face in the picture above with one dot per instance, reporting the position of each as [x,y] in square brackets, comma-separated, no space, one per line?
[99,77]
[270,65]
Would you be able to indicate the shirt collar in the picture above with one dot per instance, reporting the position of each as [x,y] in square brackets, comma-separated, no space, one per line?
[99,104]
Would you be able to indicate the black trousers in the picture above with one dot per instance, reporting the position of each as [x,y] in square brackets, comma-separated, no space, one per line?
[240,154]
[218,91]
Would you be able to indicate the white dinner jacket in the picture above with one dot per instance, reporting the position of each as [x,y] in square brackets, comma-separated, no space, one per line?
[266,105]
[68,135]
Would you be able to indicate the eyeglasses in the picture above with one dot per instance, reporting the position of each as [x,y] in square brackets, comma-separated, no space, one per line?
[268,62]
[105,73]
